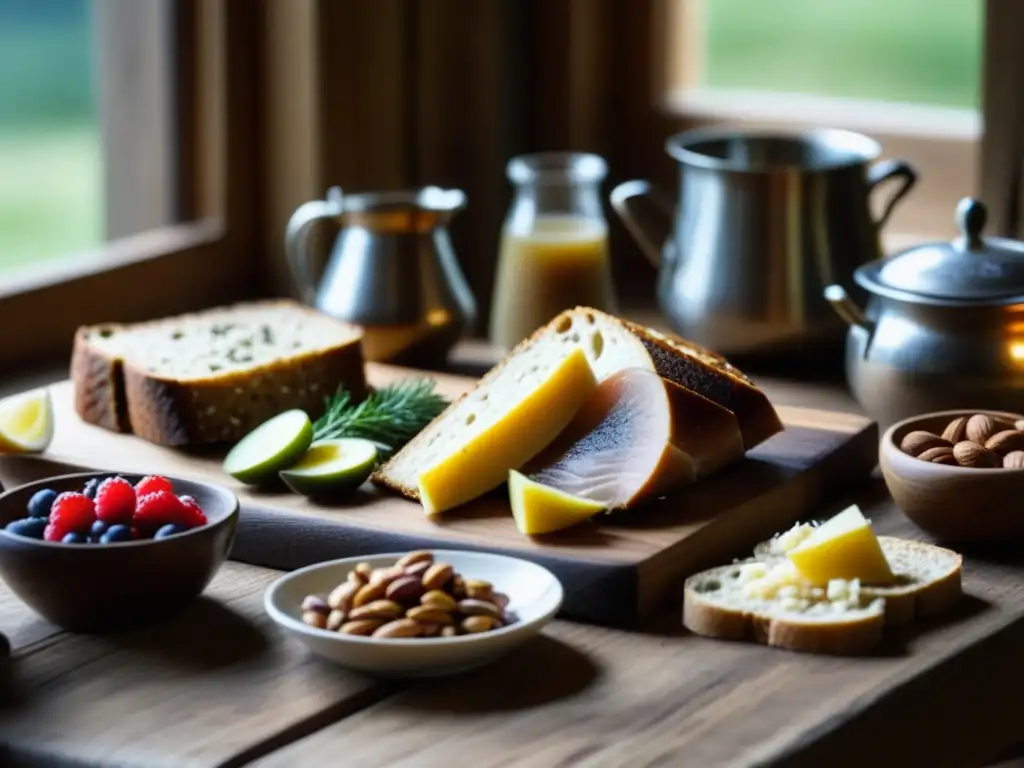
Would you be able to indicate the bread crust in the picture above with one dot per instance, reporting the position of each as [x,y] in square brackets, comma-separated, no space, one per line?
[118,395]
[851,636]
[904,604]
[98,380]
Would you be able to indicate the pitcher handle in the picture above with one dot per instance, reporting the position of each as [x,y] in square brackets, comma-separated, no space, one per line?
[637,216]
[884,170]
[296,235]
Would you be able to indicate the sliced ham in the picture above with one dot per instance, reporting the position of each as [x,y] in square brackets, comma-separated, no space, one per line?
[638,436]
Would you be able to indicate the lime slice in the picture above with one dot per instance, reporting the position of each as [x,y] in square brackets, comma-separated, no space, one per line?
[26,422]
[332,467]
[541,509]
[275,444]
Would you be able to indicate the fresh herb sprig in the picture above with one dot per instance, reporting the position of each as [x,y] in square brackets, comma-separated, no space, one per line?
[390,417]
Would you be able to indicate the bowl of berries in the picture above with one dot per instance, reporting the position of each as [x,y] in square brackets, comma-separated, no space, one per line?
[99,551]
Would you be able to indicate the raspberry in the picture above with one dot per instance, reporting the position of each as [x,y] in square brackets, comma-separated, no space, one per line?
[115,501]
[152,484]
[71,513]
[158,509]
[194,515]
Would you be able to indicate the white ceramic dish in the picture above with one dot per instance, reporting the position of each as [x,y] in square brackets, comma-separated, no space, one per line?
[535,596]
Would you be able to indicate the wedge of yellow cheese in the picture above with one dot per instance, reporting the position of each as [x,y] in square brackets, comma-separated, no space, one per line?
[496,440]
[844,547]
[539,508]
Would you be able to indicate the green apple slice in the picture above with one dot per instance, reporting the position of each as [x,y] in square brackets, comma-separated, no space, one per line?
[332,467]
[275,444]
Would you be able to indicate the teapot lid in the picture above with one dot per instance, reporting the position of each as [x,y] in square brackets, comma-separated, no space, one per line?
[970,269]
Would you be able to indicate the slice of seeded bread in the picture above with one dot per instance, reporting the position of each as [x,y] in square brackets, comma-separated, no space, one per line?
[215,375]
[928,578]
[716,603]
[611,345]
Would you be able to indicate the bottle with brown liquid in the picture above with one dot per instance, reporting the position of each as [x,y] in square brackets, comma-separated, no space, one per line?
[554,244]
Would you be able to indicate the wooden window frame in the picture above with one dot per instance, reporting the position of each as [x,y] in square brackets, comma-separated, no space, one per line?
[944,144]
[207,179]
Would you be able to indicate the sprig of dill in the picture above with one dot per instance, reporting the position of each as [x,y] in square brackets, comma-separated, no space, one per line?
[390,417]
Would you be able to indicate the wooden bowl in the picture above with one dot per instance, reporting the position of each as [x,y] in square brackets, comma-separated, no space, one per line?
[952,503]
[98,587]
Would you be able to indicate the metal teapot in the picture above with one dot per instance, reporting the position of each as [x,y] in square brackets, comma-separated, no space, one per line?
[943,327]
[392,270]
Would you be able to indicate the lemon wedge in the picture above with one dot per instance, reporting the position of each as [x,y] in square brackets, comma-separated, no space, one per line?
[26,422]
[539,508]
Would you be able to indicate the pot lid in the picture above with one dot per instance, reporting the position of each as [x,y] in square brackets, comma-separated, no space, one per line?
[971,268]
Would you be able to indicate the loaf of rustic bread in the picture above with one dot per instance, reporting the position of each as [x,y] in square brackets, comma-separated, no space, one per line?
[611,345]
[215,375]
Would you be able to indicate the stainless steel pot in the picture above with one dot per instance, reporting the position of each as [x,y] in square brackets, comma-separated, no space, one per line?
[943,327]
[763,221]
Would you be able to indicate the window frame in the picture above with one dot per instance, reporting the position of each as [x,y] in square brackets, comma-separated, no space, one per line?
[205,259]
[945,145]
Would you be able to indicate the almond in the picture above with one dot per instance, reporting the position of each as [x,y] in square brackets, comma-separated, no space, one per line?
[400,628]
[980,427]
[364,627]
[341,596]
[436,576]
[1014,460]
[939,455]
[970,454]
[956,430]
[314,619]
[471,607]
[419,556]
[430,615]
[917,442]
[438,599]
[378,609]
[386,575]
[1006,441]
[367,594]
[1019,425]
[474,624]
[405,590]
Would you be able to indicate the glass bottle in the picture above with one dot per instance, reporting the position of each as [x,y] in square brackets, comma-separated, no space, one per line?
[554,244]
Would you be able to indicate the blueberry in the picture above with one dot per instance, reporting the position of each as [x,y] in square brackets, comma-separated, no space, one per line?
[40,503]
[32,527]
[90,487]
[116,533]
[74,538]
[168,530]
[98,529]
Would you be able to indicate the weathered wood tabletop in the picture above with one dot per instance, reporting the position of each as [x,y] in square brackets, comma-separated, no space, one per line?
[220,686]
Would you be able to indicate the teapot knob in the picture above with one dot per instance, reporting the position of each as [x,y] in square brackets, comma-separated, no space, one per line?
[971,216]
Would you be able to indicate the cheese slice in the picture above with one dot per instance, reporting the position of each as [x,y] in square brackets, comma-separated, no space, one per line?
[498,440]
[844,547]
[538,508]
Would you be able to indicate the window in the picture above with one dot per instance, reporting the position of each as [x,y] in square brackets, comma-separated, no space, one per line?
[50,172]
[126,164]
[906,72]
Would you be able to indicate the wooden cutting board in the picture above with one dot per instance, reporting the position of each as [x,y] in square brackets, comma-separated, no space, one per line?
[613,572]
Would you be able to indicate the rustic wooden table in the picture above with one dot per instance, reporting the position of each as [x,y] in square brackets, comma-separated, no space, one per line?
[220,686]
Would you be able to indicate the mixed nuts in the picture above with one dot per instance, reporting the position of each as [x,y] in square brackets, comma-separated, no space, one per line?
[416,597]
[979,441]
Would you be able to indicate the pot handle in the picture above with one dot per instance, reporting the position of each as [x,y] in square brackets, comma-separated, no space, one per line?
[846,308]
[646,210]
[297,233]
[884,170]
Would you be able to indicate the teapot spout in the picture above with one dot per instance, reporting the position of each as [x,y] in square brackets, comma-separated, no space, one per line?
[646,210]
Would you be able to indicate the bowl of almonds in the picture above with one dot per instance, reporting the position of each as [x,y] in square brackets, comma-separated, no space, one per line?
[956,474]
[415,614]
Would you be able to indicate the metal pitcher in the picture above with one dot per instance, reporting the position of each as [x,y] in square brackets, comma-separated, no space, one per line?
[392,270]
[764,221]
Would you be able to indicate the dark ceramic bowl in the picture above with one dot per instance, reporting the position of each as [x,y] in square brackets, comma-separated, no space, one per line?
[98,587]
